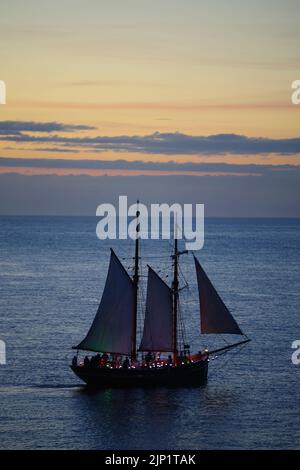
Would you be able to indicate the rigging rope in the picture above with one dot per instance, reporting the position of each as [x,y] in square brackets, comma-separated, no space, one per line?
[232,357]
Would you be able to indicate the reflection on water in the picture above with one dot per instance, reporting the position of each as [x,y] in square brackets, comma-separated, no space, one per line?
[164,417]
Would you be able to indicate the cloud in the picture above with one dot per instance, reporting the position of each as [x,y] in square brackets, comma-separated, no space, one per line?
[170,166]
[11,128]
[43,149]
[172,143]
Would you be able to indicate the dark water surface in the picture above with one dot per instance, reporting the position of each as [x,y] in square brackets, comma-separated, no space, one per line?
[52,271]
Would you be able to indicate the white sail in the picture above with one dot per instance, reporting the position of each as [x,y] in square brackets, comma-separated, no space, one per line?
[112,328]
[215,316]
[158,326]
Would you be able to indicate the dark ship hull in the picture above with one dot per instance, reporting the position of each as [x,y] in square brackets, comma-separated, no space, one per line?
[187,374]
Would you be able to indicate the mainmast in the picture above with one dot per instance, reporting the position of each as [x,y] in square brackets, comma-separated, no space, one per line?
[175,298]
[136,283]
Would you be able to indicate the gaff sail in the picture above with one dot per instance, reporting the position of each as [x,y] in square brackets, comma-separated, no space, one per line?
[215,316]
[158,325]
[112,328]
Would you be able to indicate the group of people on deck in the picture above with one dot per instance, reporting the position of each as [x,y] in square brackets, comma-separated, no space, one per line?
[116,361]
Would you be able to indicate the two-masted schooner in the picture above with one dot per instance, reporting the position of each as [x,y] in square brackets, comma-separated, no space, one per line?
[114,330]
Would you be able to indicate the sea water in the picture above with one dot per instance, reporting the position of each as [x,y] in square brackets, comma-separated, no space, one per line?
[52,272]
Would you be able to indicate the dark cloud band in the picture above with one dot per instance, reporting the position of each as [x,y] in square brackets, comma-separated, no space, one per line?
[141,165]
[11,128]
[173,143]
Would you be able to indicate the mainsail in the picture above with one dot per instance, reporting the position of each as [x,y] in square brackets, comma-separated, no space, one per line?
[215,316]
[158,326]
[112,328]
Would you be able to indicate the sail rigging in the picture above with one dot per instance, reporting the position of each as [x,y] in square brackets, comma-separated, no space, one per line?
[112,330]
[158,325]
[215,316]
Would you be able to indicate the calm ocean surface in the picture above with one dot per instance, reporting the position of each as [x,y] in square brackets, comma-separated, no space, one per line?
[52,271]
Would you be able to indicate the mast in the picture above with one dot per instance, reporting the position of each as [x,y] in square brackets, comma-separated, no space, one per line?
[175,298]
[136,283]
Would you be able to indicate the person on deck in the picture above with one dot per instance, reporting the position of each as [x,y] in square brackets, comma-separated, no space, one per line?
[97,360]
[169,361]
[126,363]
[148,358]
[86,362]
[74,361]
[115,363]
[104,358]
[93,361]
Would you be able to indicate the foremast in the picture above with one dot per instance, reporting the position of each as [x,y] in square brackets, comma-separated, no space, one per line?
[136,282]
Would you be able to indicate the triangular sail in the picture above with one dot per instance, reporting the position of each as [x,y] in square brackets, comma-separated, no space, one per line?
[158,326]
[112,328]
[215,316]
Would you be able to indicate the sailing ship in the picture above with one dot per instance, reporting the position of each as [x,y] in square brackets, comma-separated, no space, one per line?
[114,329]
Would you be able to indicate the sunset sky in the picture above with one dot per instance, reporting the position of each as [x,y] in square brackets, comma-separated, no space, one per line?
[199,91]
